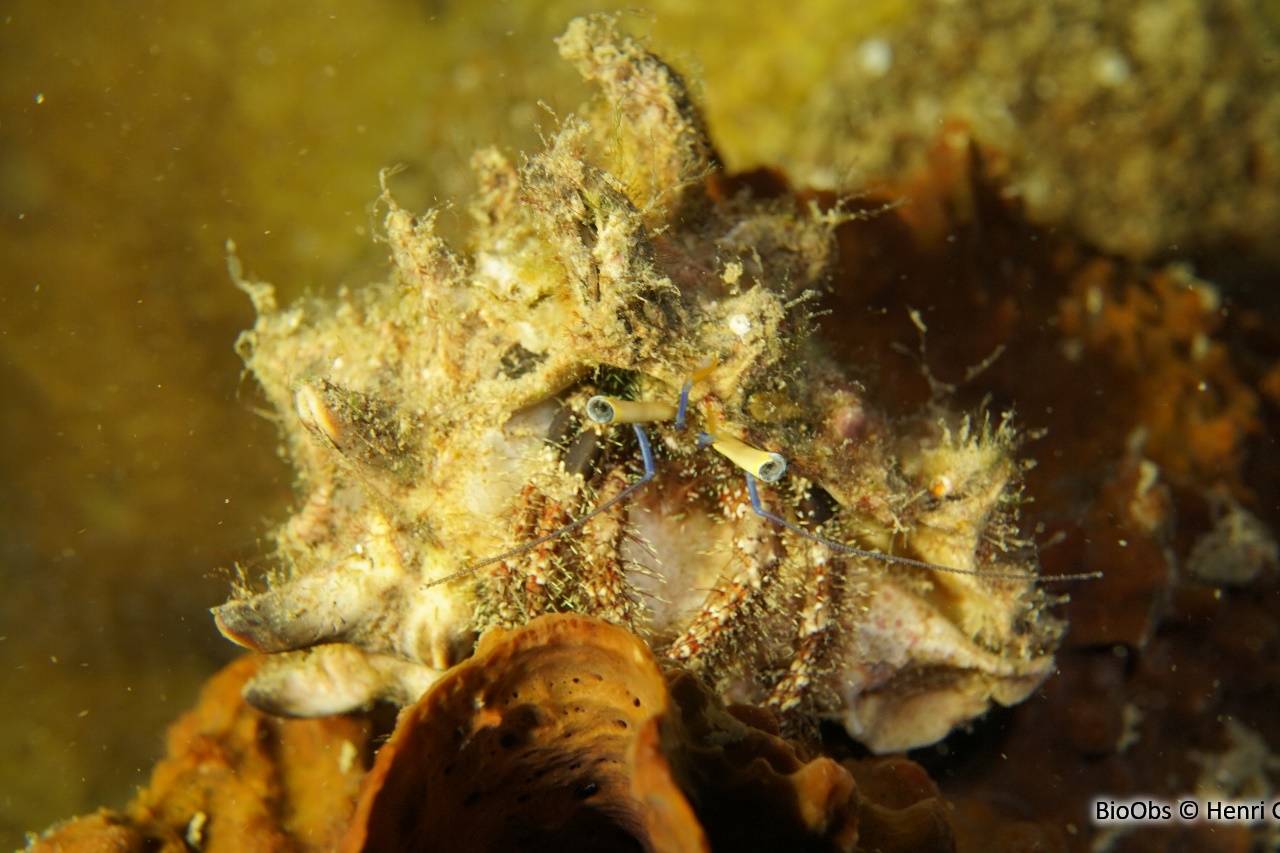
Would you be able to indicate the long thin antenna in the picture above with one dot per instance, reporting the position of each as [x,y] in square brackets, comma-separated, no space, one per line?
[754,494]
[645,451]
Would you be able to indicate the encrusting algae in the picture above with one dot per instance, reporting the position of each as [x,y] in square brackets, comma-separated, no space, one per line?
[439,419]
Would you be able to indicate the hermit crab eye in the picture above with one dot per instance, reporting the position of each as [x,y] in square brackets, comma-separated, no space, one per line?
[762,464]
[602,410]
[611,410]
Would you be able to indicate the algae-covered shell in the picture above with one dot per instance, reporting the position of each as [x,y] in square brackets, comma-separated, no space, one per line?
[437,419]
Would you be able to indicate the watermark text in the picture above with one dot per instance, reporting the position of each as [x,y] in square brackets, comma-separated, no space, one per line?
[1149,810]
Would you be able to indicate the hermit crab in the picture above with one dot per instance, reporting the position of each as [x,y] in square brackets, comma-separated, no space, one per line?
[449,431]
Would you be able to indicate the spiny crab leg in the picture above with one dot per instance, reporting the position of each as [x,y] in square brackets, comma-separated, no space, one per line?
[754,494]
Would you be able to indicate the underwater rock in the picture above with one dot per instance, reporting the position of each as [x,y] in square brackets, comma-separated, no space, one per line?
[1110,117]
[438,425]
[234,779]
[753,790]
[563,734]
